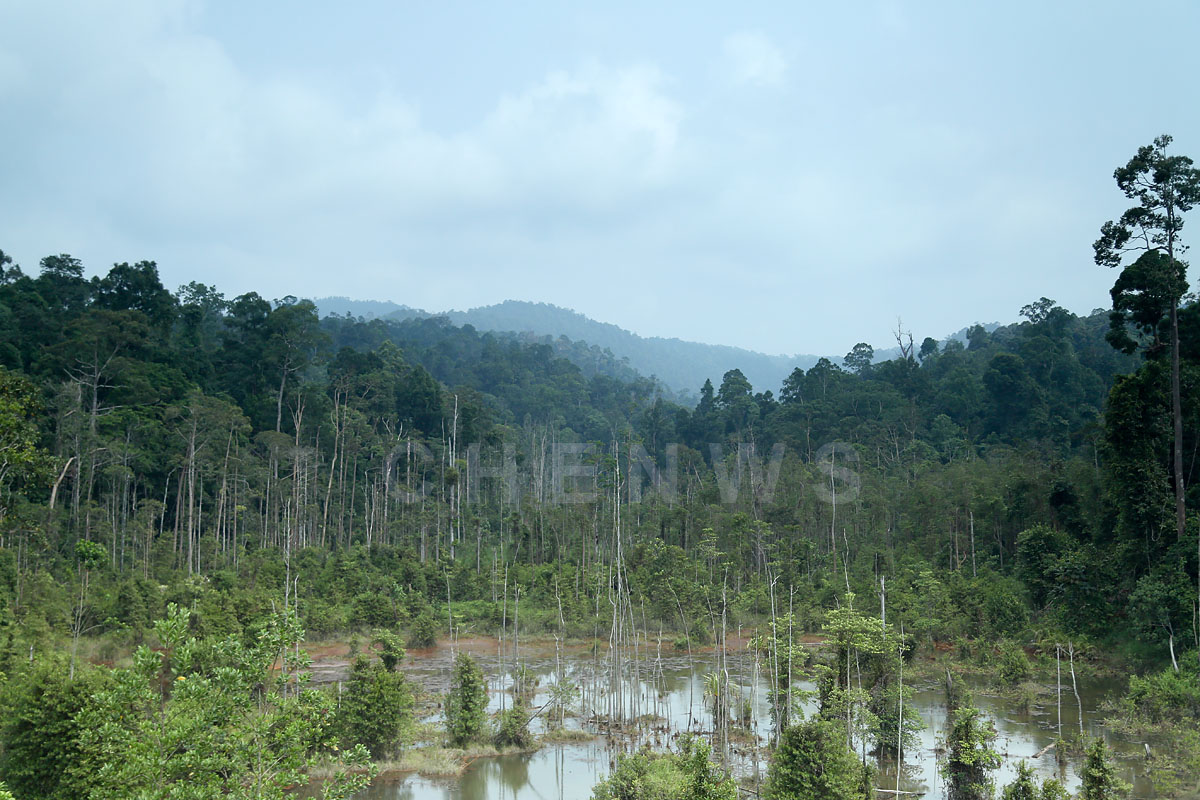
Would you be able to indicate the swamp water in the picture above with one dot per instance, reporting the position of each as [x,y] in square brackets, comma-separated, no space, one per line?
[666,692]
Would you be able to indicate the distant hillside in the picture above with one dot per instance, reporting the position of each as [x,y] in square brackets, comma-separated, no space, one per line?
[681,366]
[367,309]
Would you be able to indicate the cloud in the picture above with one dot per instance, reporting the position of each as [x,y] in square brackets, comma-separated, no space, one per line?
[449,166]
[184,151]
[752,58]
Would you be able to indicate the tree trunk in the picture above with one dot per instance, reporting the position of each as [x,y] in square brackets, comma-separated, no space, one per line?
[1177,419]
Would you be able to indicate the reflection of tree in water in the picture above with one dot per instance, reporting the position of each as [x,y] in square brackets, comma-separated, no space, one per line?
[514,771]
[508,773]
[382,789]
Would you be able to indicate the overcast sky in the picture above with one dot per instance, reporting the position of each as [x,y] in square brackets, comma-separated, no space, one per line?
[786,177]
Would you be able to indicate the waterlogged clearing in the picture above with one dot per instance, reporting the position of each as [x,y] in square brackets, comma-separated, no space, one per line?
[661,695]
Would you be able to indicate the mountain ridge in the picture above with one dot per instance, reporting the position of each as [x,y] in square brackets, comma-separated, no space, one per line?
[679,364]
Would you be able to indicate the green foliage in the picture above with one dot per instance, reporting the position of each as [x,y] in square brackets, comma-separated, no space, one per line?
[512,728]
[884,706]
[687,775]
[1164,696]
[1027,787]
[813,762]
[1013,665]
[43,748]
[213,720]
[230,448]
[785,657]
[197,719]
[424,631]
[375,709]
[970,758]
[466,702]
[391,648]
[1099,777]
[21,459]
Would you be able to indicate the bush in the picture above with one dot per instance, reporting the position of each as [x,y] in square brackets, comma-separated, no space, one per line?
[1026,787]
[1013,665]
[424,631]
[372,610]
[688,775]
[813,762]
[513,728]
[970,759]
[1165,696]
[1100,781]
[376,708]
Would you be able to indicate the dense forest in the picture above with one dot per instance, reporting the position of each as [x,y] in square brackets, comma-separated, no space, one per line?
[182,470]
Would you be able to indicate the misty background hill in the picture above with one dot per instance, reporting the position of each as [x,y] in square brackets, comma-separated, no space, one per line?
[681,366]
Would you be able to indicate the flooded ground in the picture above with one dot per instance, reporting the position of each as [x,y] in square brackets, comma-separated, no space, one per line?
[664,690]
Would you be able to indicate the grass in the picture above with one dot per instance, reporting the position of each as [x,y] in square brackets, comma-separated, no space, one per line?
[567,736]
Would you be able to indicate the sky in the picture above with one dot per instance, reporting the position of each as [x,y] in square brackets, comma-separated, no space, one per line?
[786,177]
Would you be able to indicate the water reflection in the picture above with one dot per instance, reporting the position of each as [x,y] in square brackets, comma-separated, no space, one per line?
[553,773]
[671,690]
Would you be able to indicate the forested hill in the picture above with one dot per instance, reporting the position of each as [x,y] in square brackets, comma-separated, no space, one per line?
[189,433]
[680,365]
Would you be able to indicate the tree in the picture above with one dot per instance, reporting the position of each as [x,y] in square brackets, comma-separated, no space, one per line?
[735,399]
[813,762]
[20,457]
[214,719]
[970,760]
[1142,299]
[929,348]
[376,707]
[1165,188]
[792,390]
[1161,605]
[61,283]
[1100,781]
[295,333]
[688,775]
[859,358]
[1015,395]
[135,288]
[8,274]
[1026,787]
[89,555]
[42,732]
[466,703]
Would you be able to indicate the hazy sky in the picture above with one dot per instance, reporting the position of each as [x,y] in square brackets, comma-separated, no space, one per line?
[787,177]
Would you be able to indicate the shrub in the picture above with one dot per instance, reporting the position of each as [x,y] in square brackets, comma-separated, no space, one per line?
[424,631]
[1100,781]
[688,775]
[813,762]
[1026,787]
[1013,666]
[513,728]
[466,703]
[375,709]
[1165,696]
[971,759]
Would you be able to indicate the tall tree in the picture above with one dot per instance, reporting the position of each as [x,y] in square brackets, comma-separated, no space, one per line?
[859,358]
[295,333]
[1165,188]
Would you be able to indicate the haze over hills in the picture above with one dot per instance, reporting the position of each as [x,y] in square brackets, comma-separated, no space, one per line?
[680,365]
